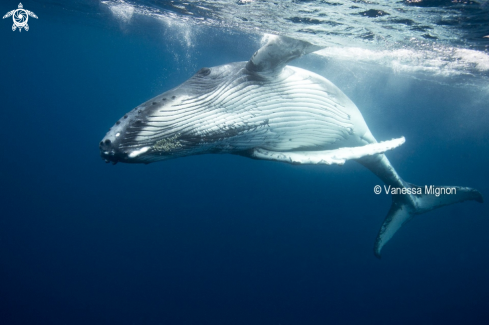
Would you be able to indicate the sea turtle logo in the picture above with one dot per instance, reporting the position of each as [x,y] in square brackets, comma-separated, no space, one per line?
[20,17]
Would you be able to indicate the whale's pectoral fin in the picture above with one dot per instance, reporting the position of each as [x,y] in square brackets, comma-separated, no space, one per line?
[422,199]
[276,53]
[328,157]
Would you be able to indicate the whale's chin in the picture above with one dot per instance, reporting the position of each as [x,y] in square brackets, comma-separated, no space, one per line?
[143,155]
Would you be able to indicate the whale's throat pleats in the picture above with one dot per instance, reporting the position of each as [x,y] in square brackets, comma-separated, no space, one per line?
[245,111]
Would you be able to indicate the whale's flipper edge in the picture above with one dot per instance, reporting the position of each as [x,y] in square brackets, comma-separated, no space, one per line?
[272,57]
[416,199]
[328,157]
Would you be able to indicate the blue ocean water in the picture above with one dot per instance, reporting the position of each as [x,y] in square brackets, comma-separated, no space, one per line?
[221,239]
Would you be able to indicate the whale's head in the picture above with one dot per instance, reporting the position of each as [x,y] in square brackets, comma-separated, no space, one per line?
[144,135]
[167,126]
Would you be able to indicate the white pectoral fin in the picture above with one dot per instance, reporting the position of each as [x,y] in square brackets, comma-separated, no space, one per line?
[328,157]
[277,52]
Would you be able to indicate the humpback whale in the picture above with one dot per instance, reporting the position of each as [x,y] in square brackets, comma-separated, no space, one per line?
[266,109]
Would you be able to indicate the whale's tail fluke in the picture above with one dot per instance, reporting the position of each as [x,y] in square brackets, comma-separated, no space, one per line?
[417,200]
[409,200]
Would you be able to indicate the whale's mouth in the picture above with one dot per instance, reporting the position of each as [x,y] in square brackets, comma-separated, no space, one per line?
[110,153]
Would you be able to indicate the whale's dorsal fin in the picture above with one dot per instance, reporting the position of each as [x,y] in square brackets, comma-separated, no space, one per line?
[272,57]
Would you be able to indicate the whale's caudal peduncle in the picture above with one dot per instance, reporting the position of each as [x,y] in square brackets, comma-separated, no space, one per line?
[265,109]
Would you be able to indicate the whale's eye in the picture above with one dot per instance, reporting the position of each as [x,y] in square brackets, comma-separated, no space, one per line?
[204,72]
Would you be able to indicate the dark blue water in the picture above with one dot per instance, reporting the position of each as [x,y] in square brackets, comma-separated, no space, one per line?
[220,239]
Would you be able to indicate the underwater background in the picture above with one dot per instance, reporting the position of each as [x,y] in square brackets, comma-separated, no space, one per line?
[222,239]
